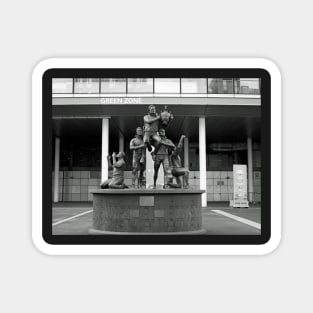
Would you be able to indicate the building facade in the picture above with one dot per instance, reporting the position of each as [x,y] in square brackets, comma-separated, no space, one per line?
[94,117]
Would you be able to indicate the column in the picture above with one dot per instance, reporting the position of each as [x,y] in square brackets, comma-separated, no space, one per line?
[250,169]
[104,149]
[150,172]
[56,170]
[121,142]
[186,153]
[202,160]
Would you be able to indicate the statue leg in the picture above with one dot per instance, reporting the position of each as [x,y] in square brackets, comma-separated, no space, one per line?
[105,184]
[181,175]
[146,140]
[167,170]
[134,172]
[157,164]
[117,183]
[156,142]
[171,181]
[141,172]
[186,179]
[179,181]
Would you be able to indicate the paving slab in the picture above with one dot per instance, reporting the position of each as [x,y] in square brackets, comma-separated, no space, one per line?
[213,223]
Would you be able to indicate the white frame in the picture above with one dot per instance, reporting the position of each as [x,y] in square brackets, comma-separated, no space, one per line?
[156,249]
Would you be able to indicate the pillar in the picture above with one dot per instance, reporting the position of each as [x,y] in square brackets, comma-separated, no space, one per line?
[56,170]
[186,153]
[121,142]
[104,149]
[250,169]
[202,160]
[150,172]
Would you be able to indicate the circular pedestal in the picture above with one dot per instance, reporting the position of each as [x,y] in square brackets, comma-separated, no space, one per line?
[132,211]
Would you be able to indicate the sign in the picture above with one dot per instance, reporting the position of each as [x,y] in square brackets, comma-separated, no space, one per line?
[240,186]
[120,100]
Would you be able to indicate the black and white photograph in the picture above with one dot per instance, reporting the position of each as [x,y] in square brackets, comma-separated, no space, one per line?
[159,153]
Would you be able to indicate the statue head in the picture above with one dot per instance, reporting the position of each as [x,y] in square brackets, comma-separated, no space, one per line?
[139,131]
[121,155]
[162,132]
[152,109]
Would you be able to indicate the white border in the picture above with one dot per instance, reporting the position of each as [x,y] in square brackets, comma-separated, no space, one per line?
[156,249]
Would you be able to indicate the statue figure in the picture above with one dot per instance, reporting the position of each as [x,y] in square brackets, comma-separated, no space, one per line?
[151,127]
[178,171]
[152,123]
[119,166]
[161,156]
[139,158]
[165,117]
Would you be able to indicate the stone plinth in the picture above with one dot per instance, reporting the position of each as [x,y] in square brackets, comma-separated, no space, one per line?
[146,211]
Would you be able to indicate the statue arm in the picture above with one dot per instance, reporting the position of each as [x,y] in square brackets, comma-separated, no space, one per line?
[151,120]
[180,144]
[118,164]
[167,143]
[109,163]
[133,147]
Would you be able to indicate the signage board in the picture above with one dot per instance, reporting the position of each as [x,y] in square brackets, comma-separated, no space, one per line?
[240,186]
[120,100]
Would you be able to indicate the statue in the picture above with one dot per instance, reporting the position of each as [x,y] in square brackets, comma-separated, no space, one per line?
[119,166]
[151,127]
[139,158]
[152,123]
[178,171]
[165,117]
[161,156]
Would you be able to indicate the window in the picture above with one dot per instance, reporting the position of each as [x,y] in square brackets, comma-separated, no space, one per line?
[167,85]
[193,85]
[220,86]
[62,85]
[86,85]
[140,85]
[247,86]
[113,85]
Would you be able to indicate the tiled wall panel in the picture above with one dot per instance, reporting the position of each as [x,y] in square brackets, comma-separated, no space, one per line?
[76,185]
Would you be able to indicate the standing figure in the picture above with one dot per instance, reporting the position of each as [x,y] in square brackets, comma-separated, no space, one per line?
[119,166]
[139,158]
[161,156]
[151,127]
[178,171]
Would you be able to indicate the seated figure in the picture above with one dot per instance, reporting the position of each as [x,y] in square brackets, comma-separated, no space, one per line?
[119,166]
[180,173]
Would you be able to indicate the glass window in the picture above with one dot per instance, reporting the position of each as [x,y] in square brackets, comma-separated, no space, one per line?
[212,85]
[193,85]
[167,85]
[62,85]
[220,86]
[247,86]
[86,85]
[140,85]
[228,86]
[113,85]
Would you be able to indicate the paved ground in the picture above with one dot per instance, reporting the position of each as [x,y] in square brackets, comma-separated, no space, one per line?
[217,219]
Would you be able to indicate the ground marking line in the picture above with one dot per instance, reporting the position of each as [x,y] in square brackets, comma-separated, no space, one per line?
[70,218]
[239,219]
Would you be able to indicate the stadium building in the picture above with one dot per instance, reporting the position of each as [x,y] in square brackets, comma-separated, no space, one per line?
[95,117]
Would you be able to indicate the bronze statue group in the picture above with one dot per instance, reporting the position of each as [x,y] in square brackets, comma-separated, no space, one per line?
[165,153]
